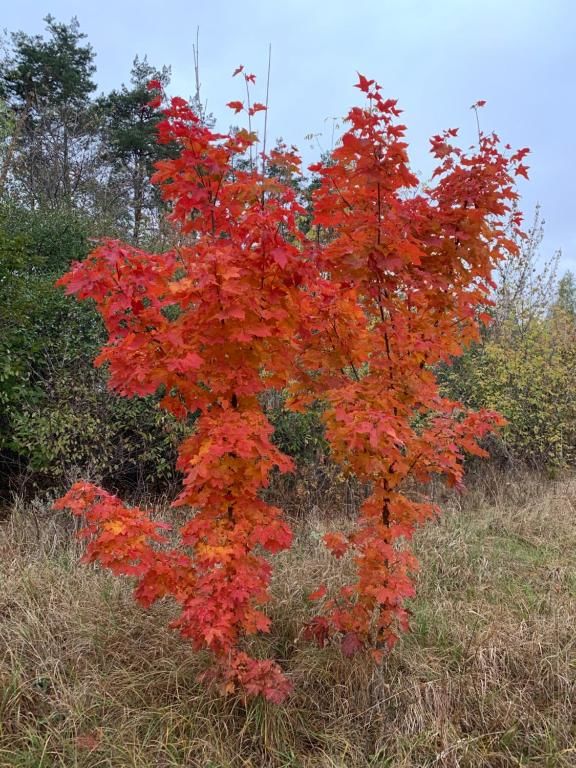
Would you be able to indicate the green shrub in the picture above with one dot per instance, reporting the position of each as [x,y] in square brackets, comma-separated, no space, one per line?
[57,417]
[529,377]
[300,435]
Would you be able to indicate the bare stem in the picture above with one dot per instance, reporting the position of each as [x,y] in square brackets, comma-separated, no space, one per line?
[266,111]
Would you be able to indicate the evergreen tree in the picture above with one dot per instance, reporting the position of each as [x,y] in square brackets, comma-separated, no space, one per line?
[129,135]
[47,83]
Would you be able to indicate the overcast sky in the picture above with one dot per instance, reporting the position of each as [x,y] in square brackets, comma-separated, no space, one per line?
[436,57]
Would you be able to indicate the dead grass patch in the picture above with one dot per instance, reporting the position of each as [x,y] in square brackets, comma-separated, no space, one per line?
[487,678]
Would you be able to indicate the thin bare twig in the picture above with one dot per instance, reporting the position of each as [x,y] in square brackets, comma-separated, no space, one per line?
[266,111]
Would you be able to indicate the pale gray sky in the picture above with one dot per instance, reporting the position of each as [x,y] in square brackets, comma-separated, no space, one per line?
[437,57]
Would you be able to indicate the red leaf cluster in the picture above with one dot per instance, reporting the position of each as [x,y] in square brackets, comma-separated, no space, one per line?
[356,312]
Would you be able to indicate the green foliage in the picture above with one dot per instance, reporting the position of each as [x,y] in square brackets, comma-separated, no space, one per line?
[300,435]
[56,71]
[78,427]
[566,298]
[49,240]
[130,121]
[530,380]
[129,134]
[46,82]
[57,417]
[33,250]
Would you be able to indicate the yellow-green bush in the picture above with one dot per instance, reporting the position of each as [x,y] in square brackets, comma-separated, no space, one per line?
[526,363]
[529,375]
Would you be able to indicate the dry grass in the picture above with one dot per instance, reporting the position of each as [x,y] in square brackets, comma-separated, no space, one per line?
[487,677]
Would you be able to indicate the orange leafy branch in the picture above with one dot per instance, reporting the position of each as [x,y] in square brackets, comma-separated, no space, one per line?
[392,283]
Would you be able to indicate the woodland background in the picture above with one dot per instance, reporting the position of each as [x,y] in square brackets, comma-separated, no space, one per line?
[76,166]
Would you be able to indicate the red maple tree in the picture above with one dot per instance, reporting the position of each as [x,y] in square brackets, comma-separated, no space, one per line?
[387,283]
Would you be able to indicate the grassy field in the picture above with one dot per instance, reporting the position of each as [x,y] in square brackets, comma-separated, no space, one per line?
[486,678]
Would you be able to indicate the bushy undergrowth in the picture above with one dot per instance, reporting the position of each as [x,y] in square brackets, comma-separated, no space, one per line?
[58,420]
[528,376]
[486,679]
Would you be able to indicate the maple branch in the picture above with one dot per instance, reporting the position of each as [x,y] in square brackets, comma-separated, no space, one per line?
[386,512]
[249,120]
[475,108]
[379,215]
[349,359]
[346,203]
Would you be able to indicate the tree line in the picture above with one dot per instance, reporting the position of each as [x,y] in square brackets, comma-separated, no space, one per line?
[66,148]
